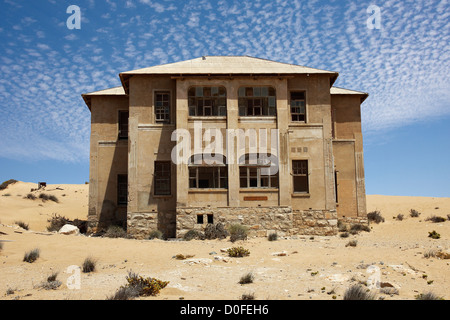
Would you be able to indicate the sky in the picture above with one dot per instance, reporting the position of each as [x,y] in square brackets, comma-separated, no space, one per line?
[397,51]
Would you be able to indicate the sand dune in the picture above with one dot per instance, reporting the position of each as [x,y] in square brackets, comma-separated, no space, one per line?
[316,268]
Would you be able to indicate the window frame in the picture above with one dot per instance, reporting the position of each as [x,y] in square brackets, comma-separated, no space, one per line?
[257,100]
[157,178]
[120,191]
[304,172]
[216,103]
[122,132]
[291,107]
[167,118]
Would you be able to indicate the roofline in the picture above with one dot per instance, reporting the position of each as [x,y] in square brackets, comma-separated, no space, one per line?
[363,95]
[87,96]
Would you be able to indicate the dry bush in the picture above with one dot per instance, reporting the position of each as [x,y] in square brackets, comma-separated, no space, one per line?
[375,216]
[215,231]
[156,234]
[248,296]
[194,234]
[358,292]
[428,296]
[247,278]
[5,184]
[31,256]
[144,286]
[56,222]
[414,213]
[435,219]
[22,224]
[237,232]
[115,232]
[88,265]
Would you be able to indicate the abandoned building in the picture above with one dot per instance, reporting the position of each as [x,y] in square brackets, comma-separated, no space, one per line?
[231,139]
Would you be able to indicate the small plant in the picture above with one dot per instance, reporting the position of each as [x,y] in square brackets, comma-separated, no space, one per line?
[272,236]
[352,243]
[375,216]
[5,184]
[52,283]
[342,227]
[56,222]
[45,197]
[434,235]
[88,265]
[430,282]
[247,278]
[115,231]
[6,195]
[248,296]
[183,257]
[237,232]
[358,292]
[215,231]
[194,234]
[238,252]
[356,228]
[344,235]
[399,217]
[414,213]
[145,286]
[430,254]
[22,224]
[436,219]
[31,256]
[314,273]
[156,234]
[428,296]
[124,293]
[30,196]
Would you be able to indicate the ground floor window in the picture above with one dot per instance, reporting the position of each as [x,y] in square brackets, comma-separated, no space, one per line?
[122,189]
[162,178]
[208,177]
[300,176]
[257,177]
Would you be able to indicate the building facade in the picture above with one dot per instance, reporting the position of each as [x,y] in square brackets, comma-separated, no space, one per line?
[269,145]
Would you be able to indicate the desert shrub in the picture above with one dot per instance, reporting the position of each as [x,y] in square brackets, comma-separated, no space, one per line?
[52,283]
[390,291]
[435,219]
[46,197]
[248,296]
[31,256]
[238,252]
[272,236]
[5,184]
[352,243]
[247,278]
[115,231]
[237,232]
[124,293]
[414,213]
[183,257]
[194,234]
[428,296]
[356,228]
[399,217]
[215,231]
[342,227]
[30,196]
[22,224]
[156,234]
[430,254]
[6,195]
[375,216]
[88,265]
[145,286]
[358,292]
[434,235]
[56,222]
[344,235]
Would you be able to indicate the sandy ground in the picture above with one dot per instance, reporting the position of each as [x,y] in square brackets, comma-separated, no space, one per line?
[318,268]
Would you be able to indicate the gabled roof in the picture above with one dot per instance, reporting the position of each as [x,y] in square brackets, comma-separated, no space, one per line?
[226,65]
[116,91]
[342,91]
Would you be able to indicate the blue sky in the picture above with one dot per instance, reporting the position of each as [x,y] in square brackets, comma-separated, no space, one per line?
[405,66]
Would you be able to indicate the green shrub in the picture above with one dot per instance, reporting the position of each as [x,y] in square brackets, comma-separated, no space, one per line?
[88,265]
[375,216]
[238,252]
[237,232]
[145,286]
[357,292]
[434,235]
[194,234]
[156,234]
[31,256]
[5,184]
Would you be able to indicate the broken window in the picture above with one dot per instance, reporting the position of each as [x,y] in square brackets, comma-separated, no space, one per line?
[208,176]
[123,125]
[300,176]
[207,101]
[162,178]
[298,106]
[257,101]
[122,189]
[258,171]
[162,107]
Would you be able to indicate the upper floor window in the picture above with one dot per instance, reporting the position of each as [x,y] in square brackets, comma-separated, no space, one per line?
[298,106]
[257,101]
[207,101]
[162,107]
[123,125]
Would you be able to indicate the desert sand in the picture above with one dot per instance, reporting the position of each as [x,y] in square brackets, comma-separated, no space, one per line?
[295,268]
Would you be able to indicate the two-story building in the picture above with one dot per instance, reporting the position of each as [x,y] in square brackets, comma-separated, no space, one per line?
[231,139]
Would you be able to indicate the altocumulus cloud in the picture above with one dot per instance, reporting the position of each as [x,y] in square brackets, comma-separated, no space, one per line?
[45,67]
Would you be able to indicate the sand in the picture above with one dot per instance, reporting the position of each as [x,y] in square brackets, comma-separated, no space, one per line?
[299,268]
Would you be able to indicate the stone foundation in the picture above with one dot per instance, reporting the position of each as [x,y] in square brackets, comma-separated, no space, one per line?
[261,220]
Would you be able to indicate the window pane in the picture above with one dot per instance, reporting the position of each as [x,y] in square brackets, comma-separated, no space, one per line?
[122,189]
[301,184]
[162,178]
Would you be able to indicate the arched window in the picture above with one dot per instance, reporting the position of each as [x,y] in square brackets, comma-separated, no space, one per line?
[207,101]
[257,101]
[258,171]
[208,172]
